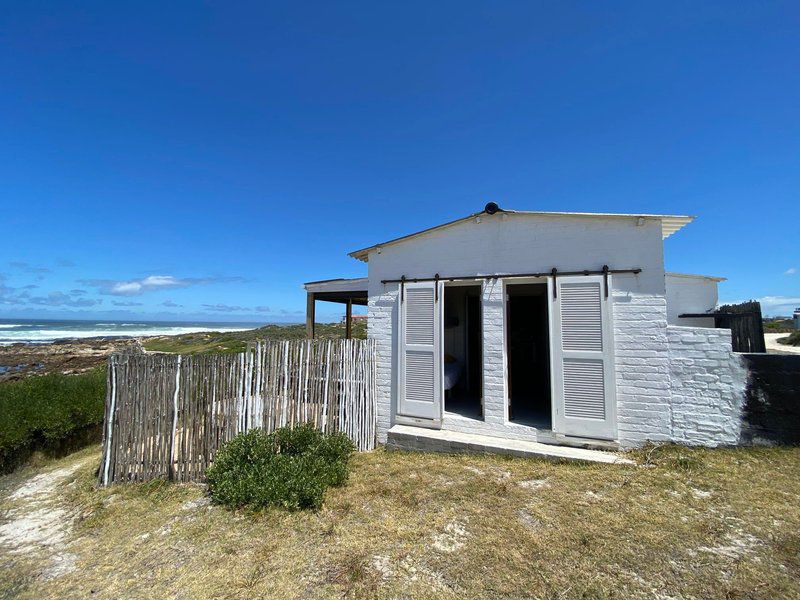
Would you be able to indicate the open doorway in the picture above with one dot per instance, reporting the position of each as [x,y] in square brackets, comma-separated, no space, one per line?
[463,354]
[528,347]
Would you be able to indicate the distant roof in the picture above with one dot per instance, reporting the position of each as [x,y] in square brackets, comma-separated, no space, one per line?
[688,276]
[669,224]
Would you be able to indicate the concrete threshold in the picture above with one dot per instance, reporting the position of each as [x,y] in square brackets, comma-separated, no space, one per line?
[405,437]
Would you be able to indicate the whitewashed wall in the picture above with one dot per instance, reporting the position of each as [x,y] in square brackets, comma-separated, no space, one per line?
[642,361]
[536,243]
[690,294]
[707,386]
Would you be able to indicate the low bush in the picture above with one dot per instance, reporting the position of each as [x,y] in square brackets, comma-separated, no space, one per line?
[291,467]
[51,413]
[793,339]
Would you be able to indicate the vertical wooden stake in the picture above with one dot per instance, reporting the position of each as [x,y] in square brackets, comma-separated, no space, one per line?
[110,432]
[174,418]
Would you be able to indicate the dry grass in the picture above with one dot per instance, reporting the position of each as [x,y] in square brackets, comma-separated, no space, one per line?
[688,523]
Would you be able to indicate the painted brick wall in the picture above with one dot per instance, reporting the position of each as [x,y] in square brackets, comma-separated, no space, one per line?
[382,326]
[531,243]
[642,364]
[707,386]
[494,360]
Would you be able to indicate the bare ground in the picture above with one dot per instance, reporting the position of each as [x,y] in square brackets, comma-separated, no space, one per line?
[686,523]
[774,347]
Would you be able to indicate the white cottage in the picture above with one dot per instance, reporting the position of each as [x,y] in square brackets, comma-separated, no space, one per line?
[559,328]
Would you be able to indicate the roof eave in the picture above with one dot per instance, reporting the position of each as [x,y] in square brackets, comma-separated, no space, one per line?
[669,224]
[694,276]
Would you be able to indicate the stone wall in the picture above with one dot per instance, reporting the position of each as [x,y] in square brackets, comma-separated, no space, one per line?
[771,412]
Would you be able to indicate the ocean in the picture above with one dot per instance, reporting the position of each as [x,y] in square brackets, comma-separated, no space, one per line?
[30,331]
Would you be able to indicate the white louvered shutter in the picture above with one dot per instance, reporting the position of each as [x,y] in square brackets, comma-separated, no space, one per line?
[420,379]
[583,359]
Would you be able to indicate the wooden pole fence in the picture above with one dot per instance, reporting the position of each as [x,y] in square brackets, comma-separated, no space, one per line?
[166,415]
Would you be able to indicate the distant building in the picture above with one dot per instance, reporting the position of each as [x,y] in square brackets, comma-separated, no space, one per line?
[356,318]
[797,318]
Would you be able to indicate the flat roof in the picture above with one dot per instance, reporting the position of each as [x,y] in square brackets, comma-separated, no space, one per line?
[690,276]
[358,284]
[669,224]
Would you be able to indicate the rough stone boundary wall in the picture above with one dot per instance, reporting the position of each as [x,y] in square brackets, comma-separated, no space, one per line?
[771,413]
[707,386]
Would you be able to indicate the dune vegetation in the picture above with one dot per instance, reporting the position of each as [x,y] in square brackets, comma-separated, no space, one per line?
[236,341]
[52,413]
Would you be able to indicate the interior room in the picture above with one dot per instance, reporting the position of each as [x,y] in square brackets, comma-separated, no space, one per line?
[462,350]
[528,352]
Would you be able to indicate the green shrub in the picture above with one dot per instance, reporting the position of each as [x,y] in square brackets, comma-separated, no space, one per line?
[793,339]
[291,467]
[49,413]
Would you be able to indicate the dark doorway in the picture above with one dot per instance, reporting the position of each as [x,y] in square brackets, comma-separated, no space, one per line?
[528,355]
[463,354]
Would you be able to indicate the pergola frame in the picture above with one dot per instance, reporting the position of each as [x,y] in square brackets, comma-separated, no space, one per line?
[341,291]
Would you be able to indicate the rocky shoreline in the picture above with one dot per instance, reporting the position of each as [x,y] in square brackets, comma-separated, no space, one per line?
[70,356]
[18,361]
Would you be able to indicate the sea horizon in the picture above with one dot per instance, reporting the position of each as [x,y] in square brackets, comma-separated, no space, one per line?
[47,331]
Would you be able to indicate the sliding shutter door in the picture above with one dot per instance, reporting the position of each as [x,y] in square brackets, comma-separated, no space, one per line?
[420,377]
[583,358]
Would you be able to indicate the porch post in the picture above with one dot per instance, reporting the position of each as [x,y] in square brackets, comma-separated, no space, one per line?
[310,306]
[348,319]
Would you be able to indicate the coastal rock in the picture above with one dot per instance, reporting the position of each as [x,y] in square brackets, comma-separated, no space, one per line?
[18,361]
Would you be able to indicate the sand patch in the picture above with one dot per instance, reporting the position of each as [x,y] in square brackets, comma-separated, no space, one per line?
[454,537]
[534,484]
[700,494]
[38,523]
[528,520]
[737,544]
[195,504]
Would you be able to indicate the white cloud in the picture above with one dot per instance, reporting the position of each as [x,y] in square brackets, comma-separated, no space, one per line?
[225,308]
[136,287]
[22,296]
[62,299]
[153,282]
[774,306]
[791,271]
[780,301]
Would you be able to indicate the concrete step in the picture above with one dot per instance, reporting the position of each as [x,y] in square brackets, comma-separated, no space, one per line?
[405,437]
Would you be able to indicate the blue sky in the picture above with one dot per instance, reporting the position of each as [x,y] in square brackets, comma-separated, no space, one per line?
[201,160]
